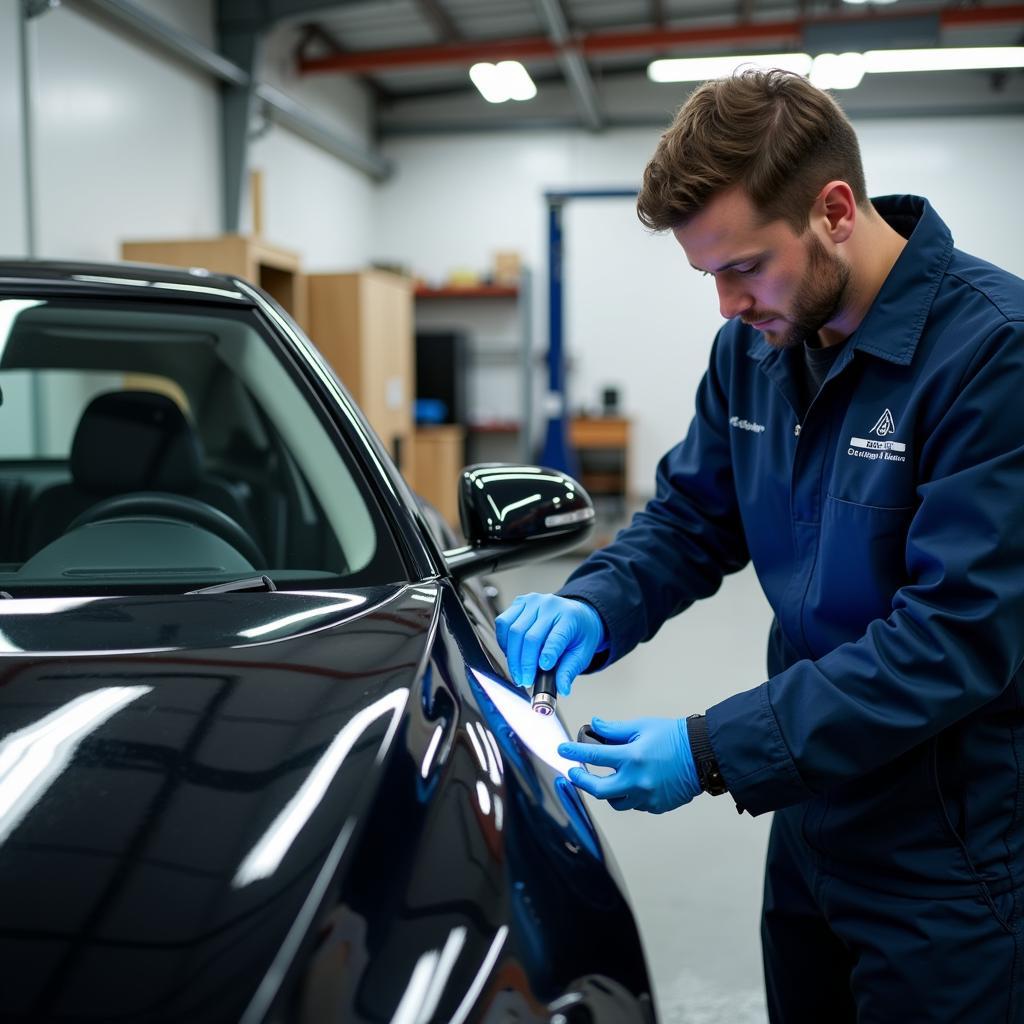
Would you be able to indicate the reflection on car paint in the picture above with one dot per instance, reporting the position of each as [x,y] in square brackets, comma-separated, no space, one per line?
[32,758]
[473,992]
[428,980]
[166,285]
[428,758]
[348,602]
[266,856]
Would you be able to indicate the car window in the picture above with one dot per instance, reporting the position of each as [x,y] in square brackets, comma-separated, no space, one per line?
[161,447]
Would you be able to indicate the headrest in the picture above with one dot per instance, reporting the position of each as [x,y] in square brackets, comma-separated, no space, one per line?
[135,441]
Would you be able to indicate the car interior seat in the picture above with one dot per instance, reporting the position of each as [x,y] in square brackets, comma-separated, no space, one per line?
[129,441]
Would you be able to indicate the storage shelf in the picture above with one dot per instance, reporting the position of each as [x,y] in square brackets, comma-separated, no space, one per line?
[497,427]
[491,355]
[473,291]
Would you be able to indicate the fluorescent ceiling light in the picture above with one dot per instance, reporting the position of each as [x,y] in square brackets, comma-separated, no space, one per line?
[837,70]
[506,80]
[972,58]
[699,69]
[843,70]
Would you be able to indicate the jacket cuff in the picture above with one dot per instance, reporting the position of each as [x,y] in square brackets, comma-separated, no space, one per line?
[606,654]
[752,753]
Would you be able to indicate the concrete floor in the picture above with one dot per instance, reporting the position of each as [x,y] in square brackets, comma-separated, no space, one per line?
[693,875]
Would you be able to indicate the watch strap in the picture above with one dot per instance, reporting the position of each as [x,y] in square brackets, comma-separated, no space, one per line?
[708,773]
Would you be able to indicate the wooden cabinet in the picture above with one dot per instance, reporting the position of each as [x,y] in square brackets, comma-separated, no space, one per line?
[438,461]
[362,323]
[276,271]
[602,443]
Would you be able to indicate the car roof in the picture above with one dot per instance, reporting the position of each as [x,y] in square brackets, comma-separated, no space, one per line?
[120,280]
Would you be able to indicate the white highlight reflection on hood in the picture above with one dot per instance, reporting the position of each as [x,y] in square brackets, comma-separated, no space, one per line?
[541,733]
[32,758]
[349,601]
[266,856]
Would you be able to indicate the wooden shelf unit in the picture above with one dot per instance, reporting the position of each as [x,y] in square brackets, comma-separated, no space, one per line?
[439,455]
[277,271]
[362,323]
[602,443]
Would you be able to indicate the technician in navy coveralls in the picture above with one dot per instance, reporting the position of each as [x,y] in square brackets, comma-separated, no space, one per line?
[859,436]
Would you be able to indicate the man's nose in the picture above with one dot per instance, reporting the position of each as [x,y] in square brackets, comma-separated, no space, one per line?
[733,298]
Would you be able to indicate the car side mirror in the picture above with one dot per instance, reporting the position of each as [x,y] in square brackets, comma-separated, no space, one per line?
[513,514]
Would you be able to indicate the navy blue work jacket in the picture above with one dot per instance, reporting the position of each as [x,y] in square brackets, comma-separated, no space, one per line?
[886,526]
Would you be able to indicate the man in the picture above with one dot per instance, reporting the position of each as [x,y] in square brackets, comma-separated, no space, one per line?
[859,436]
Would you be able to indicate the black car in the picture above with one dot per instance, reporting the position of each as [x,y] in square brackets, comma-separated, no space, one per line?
[259,760]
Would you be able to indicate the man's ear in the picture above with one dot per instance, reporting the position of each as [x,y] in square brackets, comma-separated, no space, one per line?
[837,210]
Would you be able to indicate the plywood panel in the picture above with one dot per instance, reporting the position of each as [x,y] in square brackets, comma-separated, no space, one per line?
[362,323]
[439,456]
[227,254]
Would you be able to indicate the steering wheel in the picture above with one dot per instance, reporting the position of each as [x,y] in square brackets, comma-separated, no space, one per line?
[174,506]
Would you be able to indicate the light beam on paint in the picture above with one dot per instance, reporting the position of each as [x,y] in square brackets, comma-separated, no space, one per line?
[541,733]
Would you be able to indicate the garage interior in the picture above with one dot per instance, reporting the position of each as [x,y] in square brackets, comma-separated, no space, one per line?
[339,154]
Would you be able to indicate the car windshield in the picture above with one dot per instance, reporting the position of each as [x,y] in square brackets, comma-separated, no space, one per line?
[160,448]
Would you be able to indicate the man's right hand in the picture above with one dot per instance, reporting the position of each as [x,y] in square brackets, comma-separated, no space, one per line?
[549,630]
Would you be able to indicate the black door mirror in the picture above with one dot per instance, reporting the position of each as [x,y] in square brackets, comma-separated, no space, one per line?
[512,514]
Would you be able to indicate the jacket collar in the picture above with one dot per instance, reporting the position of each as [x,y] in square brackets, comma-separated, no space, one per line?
[893,324]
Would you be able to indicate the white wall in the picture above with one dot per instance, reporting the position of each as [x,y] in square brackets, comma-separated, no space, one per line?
[12,217]
[125,139]
[127,144]
[313,202]
[636,315]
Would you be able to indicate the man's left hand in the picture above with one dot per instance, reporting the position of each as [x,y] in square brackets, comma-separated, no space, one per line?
[653,767]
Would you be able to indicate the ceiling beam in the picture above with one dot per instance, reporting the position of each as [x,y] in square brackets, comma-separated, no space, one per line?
[574,67]
[440,20]
[313,32]
[460,53]
[653,41]
[258,15]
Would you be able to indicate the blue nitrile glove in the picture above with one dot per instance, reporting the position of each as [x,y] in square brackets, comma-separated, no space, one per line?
[654,769]
[547,629]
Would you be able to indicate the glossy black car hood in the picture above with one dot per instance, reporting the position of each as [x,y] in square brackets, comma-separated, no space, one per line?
[167,809]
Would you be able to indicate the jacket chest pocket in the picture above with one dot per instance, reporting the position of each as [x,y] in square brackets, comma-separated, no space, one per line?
[861,564]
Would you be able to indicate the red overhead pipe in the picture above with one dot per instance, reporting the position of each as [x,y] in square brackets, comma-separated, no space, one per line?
[469,52]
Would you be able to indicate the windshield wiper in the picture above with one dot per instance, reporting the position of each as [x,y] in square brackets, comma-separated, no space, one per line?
[250,583]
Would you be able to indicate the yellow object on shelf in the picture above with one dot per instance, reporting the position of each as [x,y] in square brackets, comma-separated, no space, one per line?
[463,278]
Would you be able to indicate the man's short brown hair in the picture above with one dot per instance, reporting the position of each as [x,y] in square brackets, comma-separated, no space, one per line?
[771,132]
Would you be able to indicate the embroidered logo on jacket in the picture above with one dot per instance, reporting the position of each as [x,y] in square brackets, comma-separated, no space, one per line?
[735,421]
[885,425]
[869,448]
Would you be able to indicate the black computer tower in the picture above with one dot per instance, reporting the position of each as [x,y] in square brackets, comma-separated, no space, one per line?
[441,371]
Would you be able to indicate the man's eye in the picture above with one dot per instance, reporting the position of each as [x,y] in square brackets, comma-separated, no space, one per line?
[753,268]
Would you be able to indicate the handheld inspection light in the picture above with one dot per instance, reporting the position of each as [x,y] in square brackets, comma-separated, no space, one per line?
[544,692]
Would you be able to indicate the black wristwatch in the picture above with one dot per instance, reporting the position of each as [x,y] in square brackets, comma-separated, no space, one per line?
[708,773]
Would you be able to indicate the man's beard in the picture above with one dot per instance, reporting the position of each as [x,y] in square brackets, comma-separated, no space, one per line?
[818,298]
